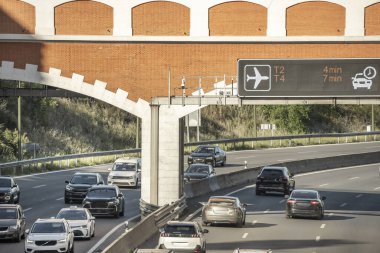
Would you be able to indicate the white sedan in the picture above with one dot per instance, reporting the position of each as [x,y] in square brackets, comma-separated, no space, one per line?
[81,221]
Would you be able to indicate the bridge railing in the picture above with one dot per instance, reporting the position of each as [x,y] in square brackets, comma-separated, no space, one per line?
[65,160]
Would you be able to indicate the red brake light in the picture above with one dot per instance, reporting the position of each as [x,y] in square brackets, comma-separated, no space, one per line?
[291,201]
[314,202]
[164,235]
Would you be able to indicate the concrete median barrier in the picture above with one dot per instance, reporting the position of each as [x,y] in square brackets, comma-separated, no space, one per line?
[198,188]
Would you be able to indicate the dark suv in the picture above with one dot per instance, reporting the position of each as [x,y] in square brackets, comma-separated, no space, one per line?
[9,191]
[76,189]
[105,200]
[208,154]
[12,222]
[275,179]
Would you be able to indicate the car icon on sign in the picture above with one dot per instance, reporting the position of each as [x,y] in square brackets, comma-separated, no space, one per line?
[359,81]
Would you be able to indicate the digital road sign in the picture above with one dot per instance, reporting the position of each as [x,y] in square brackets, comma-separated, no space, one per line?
[309,78]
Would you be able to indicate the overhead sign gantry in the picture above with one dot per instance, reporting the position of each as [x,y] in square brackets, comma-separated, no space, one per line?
[309,78]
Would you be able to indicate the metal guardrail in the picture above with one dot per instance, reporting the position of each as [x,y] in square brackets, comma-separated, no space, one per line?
[286,137]
[51,159]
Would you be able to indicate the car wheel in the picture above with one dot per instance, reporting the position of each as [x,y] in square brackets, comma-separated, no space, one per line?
[287,191]
[18,199]
[288,216]
[67,201]
[93,232]
[137,184]
[239,224]
[224,161]
[18,237]
[72,248]
[122,210]
[258,192]
[214,163]
[204,223]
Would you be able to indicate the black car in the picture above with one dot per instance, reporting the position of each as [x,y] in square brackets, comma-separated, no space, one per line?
[9,191]
[12,222]
[307,203]
[208,154]
[198,171]
[76,189]
[275,179]
[105,200]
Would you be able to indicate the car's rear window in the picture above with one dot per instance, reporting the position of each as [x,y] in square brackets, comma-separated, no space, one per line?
[72,215]
[222,202]
[180,230]
[272,173]
[304,195]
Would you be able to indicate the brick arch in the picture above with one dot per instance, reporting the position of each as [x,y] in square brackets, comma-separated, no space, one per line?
[238,18]
[83,18]
[372,20]
[17,17]
[316,19]
[161,18]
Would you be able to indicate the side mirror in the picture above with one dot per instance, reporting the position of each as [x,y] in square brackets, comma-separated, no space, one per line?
[120,195]
[245,205]
[324,198]
[27,231]
[66,182]
[92,218]
[23,217]
[205,231]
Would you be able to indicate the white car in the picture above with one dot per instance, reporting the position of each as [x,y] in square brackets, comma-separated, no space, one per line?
[183,237]
[125,172]
[50,235]
[80,220]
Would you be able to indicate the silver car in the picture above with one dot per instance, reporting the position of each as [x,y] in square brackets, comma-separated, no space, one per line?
[125,172]
[224,209]
[80,220]
[183,237]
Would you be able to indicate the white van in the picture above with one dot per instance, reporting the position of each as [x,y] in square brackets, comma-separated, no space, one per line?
[125,172]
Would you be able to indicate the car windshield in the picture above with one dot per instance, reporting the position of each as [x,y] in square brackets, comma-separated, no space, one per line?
[8,213]
[84,179]
[72,215]
[272,173]
[197,169]
[304,195]
[124,167]
[5,182]
[180,230]
[102,193]
[48,227]
[209,150]
[222,202]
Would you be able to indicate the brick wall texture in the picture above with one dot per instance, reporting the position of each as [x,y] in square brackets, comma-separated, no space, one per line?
[83,18]
[16,17]
[142,68]
[315,18]
[161,18]
[238,19]
[372,20]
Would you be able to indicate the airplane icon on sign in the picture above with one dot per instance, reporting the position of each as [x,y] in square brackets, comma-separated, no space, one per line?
[258,78]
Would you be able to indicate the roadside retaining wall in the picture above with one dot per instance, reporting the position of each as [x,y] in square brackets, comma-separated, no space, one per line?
[198,188]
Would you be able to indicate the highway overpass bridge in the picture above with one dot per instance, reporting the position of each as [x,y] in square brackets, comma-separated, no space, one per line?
[128,53]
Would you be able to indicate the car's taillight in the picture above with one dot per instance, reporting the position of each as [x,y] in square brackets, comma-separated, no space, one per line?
[291,201]
[164,235]
[313,202]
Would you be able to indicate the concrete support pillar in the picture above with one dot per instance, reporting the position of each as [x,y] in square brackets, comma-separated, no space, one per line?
[145,155]
[154,155]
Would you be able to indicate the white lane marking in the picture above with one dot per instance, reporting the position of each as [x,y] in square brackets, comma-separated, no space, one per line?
[323,226]
[307,152]
[266,211]
[285,160]
[254,222]
[331,214]
[318,238]
[332,170]
[281,201]
[27,209]
[110,233]
[359,195]
[59,199]
[244,235]
[344,204]
[321,185]
[372,147]
[377,188]
[39,186]
[244,157]
[353,178]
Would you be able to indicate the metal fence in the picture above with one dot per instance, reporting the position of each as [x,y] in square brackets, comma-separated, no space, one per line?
[65,160]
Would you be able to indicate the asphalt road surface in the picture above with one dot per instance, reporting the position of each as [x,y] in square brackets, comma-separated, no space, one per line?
[42,194]
[351,222]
